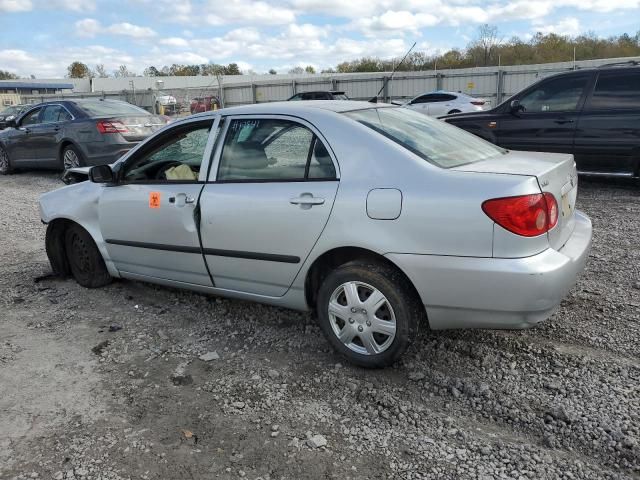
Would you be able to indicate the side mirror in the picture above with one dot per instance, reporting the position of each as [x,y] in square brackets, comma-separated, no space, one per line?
[101,174]
[515,106]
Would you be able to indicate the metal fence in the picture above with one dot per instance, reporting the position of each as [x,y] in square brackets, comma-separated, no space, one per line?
[494,84]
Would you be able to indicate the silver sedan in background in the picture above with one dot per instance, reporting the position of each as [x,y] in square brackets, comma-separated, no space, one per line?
[378,218]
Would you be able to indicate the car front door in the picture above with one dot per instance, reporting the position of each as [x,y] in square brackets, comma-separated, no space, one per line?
[607,138]
[44,135]
[150,218]
[20,143]
[273,186]
[548,118]
[440,104]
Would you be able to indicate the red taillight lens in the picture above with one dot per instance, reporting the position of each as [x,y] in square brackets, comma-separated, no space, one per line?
[105,126]
[478,102]
[526,215]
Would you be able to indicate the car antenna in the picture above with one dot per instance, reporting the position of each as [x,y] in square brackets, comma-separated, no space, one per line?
[375,99]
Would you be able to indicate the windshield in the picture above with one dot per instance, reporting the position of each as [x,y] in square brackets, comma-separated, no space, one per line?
[9,111]
[434,140]
[100,108]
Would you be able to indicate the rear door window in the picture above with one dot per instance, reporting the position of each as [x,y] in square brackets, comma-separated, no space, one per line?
[555,95]
[273,150]
[55,114]
[616,90]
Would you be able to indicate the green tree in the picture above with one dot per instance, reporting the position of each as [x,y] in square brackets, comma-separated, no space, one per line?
[78,70]
[4,75]
[309,69]
[272,72]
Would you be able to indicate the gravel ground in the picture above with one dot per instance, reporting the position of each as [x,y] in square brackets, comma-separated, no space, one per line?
[109,383]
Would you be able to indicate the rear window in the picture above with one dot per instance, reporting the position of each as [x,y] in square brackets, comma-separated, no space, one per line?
[436,141]
[99,108]
[619,90]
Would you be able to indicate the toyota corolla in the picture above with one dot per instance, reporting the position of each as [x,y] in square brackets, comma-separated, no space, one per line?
[377,218]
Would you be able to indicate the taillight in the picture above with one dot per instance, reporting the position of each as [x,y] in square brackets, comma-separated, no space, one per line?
[105,126]
[478,102]
[526,215]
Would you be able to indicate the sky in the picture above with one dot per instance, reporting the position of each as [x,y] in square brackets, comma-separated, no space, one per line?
[42,37]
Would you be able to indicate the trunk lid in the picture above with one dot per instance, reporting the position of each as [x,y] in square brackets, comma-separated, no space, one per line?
[140,127]
[556,174]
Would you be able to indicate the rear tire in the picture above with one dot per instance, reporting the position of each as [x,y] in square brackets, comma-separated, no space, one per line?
[5,162]
[375,334]
[85,261]
[71,158]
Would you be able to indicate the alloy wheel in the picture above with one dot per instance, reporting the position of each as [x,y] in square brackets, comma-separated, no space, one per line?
[4,161]
[70,159]
[362,318]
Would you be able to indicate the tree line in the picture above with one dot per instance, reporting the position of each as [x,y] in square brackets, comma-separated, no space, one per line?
[487,49]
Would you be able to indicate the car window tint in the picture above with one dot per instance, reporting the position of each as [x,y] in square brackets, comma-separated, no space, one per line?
[64,115]
[433,140]
[51,114]
[320,164]
[271,150]
[31,118]
[557,95]
[177,156]
[99,108]
[447,97]
[617,90]
[423,99]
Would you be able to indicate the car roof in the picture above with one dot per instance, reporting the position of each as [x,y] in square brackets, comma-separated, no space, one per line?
[295,108]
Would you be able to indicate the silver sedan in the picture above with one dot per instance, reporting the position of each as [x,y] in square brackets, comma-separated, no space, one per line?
[378,218]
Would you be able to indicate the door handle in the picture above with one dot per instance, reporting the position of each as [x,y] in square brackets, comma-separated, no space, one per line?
[306,200]
[181,199]
[562,121]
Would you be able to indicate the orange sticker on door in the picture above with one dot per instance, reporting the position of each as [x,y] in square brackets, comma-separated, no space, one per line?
[154,199]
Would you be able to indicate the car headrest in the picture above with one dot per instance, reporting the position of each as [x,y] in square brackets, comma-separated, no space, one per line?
[246,156]
[322,155]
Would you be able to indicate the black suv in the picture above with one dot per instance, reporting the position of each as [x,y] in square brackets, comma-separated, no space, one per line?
[320,95]
[594,114]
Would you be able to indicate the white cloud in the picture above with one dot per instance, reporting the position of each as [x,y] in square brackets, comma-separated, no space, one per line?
[567,26]
[88,27]
[73,5]
[248,12]
[15,5]
[174,42]
[130,30]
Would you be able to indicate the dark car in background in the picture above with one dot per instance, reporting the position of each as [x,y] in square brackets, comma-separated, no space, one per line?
[64,134]
[10,113]
[319,95]
[593,114]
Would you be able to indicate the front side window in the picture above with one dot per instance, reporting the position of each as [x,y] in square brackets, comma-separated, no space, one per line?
[176,157]
[272,150]
[433,140]
[556,95]
[619,90]
[31,118]
[424,99]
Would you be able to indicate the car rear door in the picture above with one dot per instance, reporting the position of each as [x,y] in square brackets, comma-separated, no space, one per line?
[270,194]
[441,104]
[549,118]
[607,137]
[150,219]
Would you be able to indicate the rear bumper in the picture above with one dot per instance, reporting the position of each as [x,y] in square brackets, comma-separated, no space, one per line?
[105,153]
[467,292]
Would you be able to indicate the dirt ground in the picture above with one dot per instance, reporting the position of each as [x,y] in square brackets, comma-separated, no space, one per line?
[108,383]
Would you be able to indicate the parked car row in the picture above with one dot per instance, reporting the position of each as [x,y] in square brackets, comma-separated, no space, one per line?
[71,133]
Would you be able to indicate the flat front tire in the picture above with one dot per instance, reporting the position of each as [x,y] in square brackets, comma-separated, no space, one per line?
[85,261]
[369,313]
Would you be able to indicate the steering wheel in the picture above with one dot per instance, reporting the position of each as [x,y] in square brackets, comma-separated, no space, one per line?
[160,174]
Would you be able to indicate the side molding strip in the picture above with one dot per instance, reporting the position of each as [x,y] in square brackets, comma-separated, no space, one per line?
[269,257]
